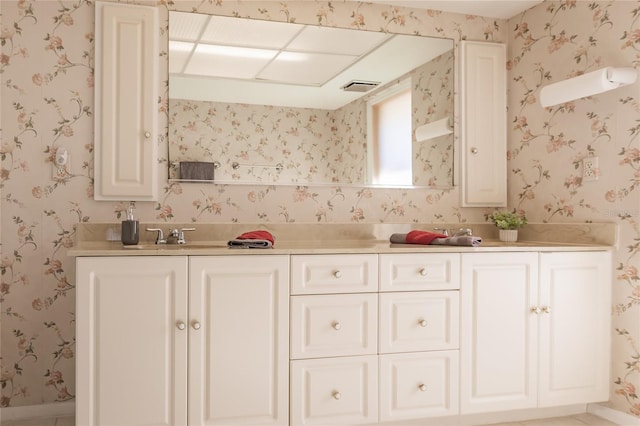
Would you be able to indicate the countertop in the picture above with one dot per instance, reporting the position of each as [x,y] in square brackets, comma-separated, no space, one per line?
[340,239]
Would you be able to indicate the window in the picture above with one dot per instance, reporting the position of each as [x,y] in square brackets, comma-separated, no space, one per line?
[389,136]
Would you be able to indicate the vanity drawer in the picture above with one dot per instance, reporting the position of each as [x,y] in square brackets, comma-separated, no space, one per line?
[419,271]
[334,325]
[419,321]
[418,385]
[323,274]
[334,391]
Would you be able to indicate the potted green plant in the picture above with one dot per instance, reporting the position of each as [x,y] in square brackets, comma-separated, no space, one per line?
[508,223]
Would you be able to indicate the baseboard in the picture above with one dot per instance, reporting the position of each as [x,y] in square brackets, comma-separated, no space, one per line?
[57,409]
[614,416]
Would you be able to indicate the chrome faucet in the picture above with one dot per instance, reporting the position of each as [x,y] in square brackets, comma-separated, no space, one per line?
[462,232]
[175,236]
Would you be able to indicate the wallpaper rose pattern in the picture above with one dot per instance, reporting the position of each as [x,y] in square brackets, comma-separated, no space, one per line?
[46,67]
[312,145]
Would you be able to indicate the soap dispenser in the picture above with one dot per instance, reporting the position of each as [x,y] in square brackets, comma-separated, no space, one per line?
[130,231]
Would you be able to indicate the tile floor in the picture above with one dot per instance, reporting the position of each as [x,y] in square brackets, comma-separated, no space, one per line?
[577,420]
[59,421]
[584,419]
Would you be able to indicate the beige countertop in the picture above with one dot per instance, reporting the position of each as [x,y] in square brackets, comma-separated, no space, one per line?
[211,239]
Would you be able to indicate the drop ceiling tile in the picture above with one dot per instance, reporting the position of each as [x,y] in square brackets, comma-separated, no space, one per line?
[336,40]
[305,68]
[223,61]
[186,26]
[247,32]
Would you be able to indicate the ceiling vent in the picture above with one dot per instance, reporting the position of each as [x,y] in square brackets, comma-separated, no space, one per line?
[360,86]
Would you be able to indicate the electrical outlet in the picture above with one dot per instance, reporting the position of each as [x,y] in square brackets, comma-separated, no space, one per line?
[60,172]
[590,170]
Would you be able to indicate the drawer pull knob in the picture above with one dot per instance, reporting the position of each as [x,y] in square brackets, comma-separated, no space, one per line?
[336,395]
[181,325]
[422,387]
[336,325]
[422,322]
[535,310]
[423,272]
[147,134]
[474,150]
[195,325]
[546,309]
[337,274]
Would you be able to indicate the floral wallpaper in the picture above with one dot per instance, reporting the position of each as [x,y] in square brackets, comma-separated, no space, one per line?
[310,145]
[46,70]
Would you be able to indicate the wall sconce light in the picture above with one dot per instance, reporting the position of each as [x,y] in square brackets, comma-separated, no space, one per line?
[434,129]
[585,85]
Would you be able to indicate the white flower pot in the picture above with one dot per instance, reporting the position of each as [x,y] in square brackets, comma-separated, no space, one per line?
[508,235]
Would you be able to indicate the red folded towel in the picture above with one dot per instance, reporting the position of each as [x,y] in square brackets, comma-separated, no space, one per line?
[422,237]
[257,235]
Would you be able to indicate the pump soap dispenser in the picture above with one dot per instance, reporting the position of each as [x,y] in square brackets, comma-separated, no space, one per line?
[130,228]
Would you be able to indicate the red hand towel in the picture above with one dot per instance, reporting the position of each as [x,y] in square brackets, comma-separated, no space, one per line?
[423,237]
[257,235]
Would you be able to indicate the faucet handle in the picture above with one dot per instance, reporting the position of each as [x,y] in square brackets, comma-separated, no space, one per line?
[442,231]
[181,239]
[159,237]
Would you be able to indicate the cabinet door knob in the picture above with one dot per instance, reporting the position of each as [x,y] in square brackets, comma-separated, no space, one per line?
[535,310]
[422,387]
[336,325]
[147,134]
[336,395]
[546,309]
[181,325]
[337,274]
[474,150]
[422,322]
[423,272]
[195,325]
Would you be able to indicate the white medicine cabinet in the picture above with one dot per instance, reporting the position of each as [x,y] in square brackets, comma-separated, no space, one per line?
[483,154]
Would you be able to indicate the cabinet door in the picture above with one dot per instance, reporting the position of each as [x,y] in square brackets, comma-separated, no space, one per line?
[575,301]
[483,122]
[498,361]
[126,84]
[418,385]
[239,340]
[131,346]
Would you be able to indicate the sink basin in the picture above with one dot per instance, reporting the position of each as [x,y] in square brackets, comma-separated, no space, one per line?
[194,245]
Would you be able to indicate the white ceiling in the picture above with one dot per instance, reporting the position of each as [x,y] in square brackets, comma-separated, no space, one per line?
[503,9]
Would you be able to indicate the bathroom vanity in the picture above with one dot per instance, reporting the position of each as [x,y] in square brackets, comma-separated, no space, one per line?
[338,331]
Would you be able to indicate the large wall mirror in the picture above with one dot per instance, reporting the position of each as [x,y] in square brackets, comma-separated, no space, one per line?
[282,103]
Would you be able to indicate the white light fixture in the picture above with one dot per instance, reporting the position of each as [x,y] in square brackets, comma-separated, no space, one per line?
[585,85]
[434,129]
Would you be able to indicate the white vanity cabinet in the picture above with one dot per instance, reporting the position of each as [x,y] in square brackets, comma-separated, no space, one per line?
[173,340]
[535,329]
[126,86]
